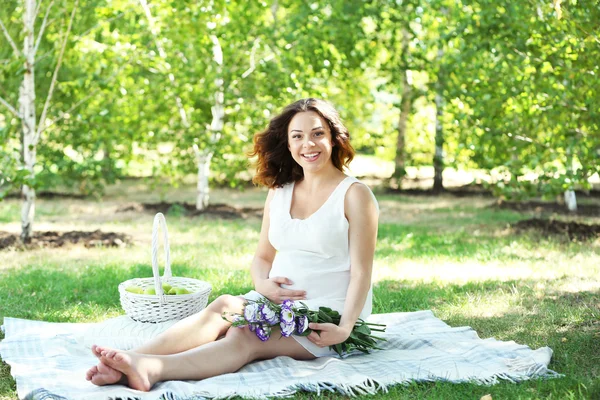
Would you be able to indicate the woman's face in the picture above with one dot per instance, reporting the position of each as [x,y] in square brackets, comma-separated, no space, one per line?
[309,141]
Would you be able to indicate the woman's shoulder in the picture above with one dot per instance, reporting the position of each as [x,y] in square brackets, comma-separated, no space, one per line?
[279,191]
[359,195]
[357,188]
[359,191]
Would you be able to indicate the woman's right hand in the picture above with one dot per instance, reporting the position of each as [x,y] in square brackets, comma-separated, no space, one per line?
[272,290]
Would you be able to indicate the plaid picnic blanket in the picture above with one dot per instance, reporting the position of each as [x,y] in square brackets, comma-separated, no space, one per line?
[48,362]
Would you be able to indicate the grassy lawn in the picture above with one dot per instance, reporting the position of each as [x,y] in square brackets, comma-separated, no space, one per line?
[455,256]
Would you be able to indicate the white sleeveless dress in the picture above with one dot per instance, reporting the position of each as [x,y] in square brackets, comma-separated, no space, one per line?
[313,253]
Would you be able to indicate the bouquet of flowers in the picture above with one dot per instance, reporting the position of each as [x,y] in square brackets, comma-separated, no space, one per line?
[262,315]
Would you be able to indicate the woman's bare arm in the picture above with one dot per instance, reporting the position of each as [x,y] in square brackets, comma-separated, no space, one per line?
[263,261]
[362,216]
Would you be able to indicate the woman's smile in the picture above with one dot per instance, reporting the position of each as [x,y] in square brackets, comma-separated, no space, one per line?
[310,157]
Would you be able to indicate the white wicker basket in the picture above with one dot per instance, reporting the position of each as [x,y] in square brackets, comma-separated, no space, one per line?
[162,307]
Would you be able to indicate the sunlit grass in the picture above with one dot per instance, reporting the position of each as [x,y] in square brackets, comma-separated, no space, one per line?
[455,256]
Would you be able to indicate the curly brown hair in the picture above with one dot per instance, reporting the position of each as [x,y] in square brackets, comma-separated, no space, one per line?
[275,166]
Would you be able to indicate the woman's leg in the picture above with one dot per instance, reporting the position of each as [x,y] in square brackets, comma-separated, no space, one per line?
[193,331]
[238,348]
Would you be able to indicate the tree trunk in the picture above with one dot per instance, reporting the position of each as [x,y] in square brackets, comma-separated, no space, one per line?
[216,128]
[27,110]
[405,107]
[274,9]
[108,172]
[570,197]
[438,158]
[202,197]
[571,200]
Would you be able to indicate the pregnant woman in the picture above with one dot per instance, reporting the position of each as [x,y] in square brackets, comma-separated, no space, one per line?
[316,245]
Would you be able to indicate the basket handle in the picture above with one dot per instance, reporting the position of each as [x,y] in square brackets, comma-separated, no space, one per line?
[159,220]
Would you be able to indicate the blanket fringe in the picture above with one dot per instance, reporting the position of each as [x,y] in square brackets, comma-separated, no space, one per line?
[372,386]
[368,387]
[43,394]
[520,370]
[523,369]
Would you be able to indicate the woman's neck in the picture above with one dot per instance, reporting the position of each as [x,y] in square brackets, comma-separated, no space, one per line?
[313,182]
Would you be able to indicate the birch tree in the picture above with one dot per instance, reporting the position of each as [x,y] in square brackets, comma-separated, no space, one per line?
[25,111]
[215,129]
[205,144]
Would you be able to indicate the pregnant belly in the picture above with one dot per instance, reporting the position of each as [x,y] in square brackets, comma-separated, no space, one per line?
[317,284]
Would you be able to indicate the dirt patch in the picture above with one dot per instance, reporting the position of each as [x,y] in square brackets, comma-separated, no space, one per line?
[456,192]
[218,211]
[60,239]
[573,230]
[49,195]
[591,210]
[471,189]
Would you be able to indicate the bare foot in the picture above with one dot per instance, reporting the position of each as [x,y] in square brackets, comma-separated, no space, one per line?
[102,374]
[96,350]
[131,365]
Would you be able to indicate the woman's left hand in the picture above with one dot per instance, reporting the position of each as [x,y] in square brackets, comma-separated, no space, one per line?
[329,334]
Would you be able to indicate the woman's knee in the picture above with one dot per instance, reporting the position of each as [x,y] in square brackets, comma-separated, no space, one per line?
[255,349]
[244,340]
[226,302]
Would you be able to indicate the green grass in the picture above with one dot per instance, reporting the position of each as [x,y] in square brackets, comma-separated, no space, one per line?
[456,257]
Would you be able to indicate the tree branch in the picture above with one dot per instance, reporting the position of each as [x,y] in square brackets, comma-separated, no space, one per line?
[55,75]
[10,40]
[90,95]
[10,108]
[120,15]
[59,16]
[37,9]
[42,28]
[42,57]
[594,37]
[252,55]
[252,64]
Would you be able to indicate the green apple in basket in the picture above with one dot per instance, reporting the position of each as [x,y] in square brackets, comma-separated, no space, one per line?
[179,290]
[166,287]
[134,289]
[150,290]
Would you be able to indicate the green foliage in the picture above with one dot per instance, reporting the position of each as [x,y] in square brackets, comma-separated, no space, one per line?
[532,104]
[519,80]
[11,176]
